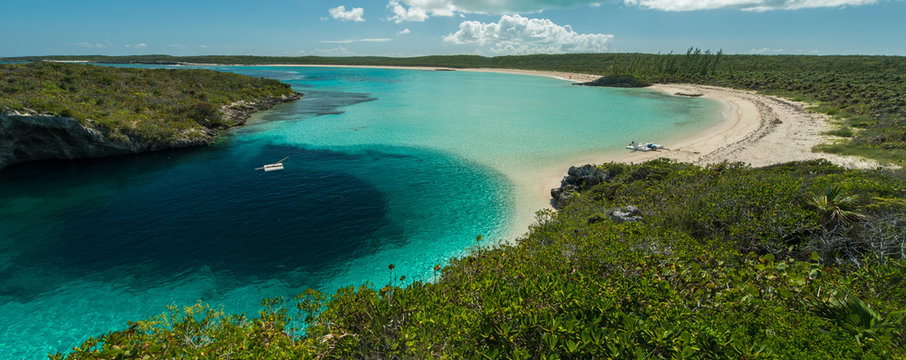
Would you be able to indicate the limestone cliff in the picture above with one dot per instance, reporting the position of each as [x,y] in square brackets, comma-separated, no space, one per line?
[29,136]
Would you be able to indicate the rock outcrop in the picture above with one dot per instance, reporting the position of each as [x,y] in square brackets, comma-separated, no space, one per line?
[618,215]
[577,179]
[29,136]
[583,178]
[241,111]
[625,214]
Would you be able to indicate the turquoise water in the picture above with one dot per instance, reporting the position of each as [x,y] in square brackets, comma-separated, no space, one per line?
[398,167]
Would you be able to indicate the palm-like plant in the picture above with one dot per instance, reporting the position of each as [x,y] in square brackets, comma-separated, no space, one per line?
[835,207]
[854,316]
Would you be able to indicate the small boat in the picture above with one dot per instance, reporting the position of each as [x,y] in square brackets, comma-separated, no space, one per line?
[634,146]
[273,167]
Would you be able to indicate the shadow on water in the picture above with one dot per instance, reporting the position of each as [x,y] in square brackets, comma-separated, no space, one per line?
[161,215]
[316,103]
[164,214]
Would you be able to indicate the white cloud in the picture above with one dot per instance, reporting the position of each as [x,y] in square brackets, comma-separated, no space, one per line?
[137,46]
[748,5]
[421,10]
[405,31]
[350,41]
[354,14]
[413,13]
[89,45]
[514,34]
[764,51]
[337,51]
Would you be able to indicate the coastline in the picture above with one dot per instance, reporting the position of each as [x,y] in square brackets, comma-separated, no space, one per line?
[758,130]
[755,129]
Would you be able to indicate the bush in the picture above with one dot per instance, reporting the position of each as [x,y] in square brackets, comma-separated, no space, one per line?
[149,103]
[719,267]
[626,81]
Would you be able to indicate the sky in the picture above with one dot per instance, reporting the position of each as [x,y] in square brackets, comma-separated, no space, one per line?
[405,28]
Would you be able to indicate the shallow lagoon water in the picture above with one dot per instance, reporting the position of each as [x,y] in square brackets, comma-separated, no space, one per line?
[386,166]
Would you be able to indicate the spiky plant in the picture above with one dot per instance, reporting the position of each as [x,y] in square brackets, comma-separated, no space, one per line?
[854,316]
[835,207]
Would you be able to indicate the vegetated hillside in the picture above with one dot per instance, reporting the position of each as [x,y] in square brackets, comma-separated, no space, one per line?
[865,94]
[794,261]
[150,104]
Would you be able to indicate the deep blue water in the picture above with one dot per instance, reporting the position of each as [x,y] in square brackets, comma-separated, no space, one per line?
[385,166]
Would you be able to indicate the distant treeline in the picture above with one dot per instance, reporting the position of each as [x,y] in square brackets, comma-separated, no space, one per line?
[694,61]
[867,94]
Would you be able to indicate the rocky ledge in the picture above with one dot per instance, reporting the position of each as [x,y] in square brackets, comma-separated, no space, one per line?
[577,179]
[618,215]
[241,111]
[583,178]
[30,136]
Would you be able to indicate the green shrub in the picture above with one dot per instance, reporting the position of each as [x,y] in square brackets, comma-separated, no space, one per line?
[719,267]
[154,104]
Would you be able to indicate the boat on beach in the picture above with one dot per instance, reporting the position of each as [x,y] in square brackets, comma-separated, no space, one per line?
[273,167]
[634,146]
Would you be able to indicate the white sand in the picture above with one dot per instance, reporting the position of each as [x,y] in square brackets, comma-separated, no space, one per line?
[757,129]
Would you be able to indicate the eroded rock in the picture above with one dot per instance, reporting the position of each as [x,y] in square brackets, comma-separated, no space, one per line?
[577,179]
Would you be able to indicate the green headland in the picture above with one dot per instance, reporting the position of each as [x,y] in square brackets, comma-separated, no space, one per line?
[91,111]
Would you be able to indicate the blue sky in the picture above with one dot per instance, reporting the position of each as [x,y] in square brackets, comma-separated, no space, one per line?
[425,27]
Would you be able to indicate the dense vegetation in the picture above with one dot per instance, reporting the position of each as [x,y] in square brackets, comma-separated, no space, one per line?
[866,94]
[801,260]
[150,104]
[628,81]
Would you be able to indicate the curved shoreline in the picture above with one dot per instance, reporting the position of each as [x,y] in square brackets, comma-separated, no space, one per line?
[757,129]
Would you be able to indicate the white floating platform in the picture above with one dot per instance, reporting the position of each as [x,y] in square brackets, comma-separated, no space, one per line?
[273,167]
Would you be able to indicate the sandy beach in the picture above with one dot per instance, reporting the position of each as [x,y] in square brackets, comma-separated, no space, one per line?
[759,130]
[756,129]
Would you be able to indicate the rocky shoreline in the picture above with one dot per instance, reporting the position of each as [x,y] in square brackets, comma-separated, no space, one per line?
[30,136]
[577,180]
[583,178]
